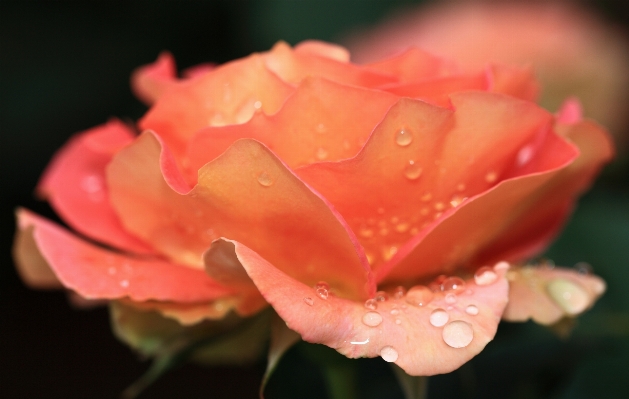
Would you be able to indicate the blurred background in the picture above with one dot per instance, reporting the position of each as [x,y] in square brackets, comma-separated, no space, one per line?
[65,67]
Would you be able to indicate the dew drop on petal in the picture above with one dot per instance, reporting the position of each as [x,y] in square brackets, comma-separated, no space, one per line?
[372,319]
[365,232]
[491,177]
[321,128]
[388,252]
[388,354]
[92,183]
[124,283]
[485,276]
[309,301]
[403,137]
[395,311]
[414,231]
[419,295]
[426,197]
[570,296]
[439,317]
[502,265]
[265,179]
[460,186]
[399,292]
[111,270]
[381,296]
[323,293]
[402,227]
[439,206]
[525,154]
[398,321]
[471,310]
[452,284]
[412,171]
[371,304]
[457,200]
[450,298]
[458,334]
[321,154]
[257,105]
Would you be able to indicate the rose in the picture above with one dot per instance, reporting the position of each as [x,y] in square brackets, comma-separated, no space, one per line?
[573,51]
[378,209]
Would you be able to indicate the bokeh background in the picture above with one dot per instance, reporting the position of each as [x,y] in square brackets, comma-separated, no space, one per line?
[65,67]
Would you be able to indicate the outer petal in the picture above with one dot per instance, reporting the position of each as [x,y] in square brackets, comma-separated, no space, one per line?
[75,186]
[96,273]
[547,294]
[414,65]
[397,331]
[149,82]
[294,66]
[323,49]
[246,194]
[419,163]
[309,127]
[231,94]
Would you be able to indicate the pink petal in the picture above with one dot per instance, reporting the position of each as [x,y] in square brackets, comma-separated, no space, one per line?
[418,164]
[96,273]
[246,194]
[309,128]
[150,81]
[75,185]
[231,94]
[323,49]
[547,294]
[414,65]
[396,330]
[571,112]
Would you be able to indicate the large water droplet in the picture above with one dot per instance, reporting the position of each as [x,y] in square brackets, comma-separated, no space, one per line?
[265,179]
[403,137]
[388,354]
[419,295]
[412,171]
[569,295]
[309,301]
[372,319]
[322,289]
[381,296]
[439,317]
[485,275]
[453,283]
[371,304]
[471,310]
[458,334]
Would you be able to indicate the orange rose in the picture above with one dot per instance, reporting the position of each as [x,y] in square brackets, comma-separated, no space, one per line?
[379,209]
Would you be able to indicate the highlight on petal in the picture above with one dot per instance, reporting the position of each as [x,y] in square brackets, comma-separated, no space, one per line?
[309,128]
[94,272]
[246,194]
[421,165]
[423,332]
[231,94]
[75,185]
[547,294]
[150,81]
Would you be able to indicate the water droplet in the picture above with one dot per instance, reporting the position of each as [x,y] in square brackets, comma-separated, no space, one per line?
[402,227]
[124,283]
[371,304]
[460,186]
[381,296]
[395,311]
[111,270]
[583,268]
[321,128]
[458,334]
[491,177]
[502,265]
[452,284]
[403,137]
[471,310]
[525,154]
[424,211]
[321,154]
[450,298]
[372,319]
[399,292]
[370,258]
[426,197]
[265,179]
[92,183]
[257,105]
[309,301]
[322,284]
[323,293]
[437,215]
[365,232]
[439,206]
[414,231]
[398,321]
[412,171]
[569,295]
[485,276]
[457,200]
[389,252]
[439,317]
[419,295]
[388,354]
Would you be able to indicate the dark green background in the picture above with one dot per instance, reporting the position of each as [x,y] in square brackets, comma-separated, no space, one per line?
[64,67]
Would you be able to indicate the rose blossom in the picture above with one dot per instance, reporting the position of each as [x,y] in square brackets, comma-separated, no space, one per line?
[574,52]
[381,210]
